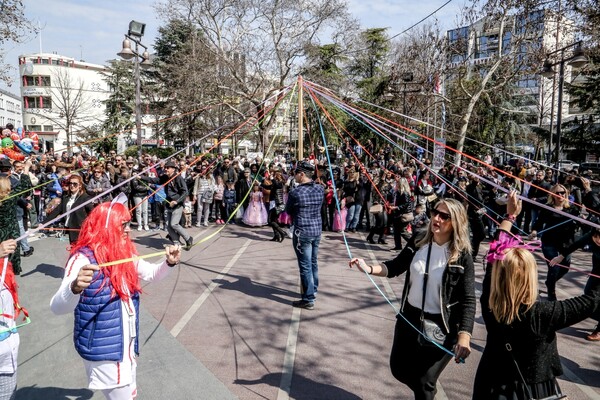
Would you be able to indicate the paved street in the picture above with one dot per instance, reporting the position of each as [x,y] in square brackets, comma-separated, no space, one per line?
[221,327]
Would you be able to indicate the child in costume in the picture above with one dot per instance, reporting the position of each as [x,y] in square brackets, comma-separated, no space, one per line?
[108,296]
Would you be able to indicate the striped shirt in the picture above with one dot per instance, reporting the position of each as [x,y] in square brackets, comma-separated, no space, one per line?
[304,206]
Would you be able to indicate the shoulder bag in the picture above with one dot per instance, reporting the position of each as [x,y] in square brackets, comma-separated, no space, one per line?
[431,331]
[376,209]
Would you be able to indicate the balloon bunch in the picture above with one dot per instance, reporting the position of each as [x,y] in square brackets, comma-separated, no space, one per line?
[17,145]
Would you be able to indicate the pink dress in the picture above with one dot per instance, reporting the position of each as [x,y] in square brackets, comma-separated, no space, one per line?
[284,218]
[256,213]
[339,220]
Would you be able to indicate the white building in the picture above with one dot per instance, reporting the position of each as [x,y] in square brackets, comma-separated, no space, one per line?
[61,96]
[10,109]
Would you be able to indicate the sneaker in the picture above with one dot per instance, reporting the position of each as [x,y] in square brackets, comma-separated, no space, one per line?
[593,337]
[189,243]
[139,228]
[205,224]
[307,305]
[198,225]
[146,228]
[28,252]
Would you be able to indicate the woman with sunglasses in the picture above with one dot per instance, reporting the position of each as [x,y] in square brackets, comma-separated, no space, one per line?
[71,199]
[446,297]
[558,235]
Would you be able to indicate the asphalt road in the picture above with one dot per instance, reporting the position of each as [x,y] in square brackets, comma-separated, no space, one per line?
[221,326]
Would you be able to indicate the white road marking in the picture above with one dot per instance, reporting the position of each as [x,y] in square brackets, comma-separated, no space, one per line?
[287,371]
[198,303]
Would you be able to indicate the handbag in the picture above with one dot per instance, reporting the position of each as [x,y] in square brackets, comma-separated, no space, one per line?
[376,209]
[431,198]
[432,332]
[408,217]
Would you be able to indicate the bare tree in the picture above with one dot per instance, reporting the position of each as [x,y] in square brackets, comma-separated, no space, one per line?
[258,45]
[72,107]
[478,69]
[14,28]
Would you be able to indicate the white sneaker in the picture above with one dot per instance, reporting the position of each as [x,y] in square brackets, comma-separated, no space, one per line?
[205,224]
[139,229]
[198,225]
[146,228]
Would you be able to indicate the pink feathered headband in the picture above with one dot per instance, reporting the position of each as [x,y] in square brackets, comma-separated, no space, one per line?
[506,242]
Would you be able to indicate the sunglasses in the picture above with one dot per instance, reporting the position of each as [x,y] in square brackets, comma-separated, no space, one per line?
[73,183]
[443,216]
[561,192]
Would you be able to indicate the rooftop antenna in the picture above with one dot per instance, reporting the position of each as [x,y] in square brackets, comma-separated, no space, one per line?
[40,35]
[81,52]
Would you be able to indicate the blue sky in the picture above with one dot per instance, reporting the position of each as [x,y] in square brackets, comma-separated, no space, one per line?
[93,30]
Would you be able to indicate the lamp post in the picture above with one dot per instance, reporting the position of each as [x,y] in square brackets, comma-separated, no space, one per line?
[134,34]
[577,60]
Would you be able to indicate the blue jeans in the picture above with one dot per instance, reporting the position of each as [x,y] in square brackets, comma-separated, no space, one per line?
[555,272]
[307,249]
[353,216]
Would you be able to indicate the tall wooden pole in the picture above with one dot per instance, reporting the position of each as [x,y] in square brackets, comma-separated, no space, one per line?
[300,120]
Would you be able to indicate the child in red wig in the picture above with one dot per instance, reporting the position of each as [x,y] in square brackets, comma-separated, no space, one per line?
[105,300]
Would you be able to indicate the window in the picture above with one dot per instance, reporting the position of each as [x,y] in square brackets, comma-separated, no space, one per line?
[37,102]
[2,105]
[35,128]
[37,80]
[48,128]
[11,121]
[1,121]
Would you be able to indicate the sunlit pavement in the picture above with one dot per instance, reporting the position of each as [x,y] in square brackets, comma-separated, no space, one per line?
[221,326]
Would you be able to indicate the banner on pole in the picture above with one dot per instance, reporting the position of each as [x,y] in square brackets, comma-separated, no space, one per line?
[439,152]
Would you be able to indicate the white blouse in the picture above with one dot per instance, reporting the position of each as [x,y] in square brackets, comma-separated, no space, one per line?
[437,265]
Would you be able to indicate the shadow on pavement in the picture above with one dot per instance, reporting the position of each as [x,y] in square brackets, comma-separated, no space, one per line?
[307,389]
[53,271]
[45,393]
[245,285]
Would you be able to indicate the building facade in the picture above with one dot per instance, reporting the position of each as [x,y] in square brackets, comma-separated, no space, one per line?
[535,96]
[10,109]
[63,99]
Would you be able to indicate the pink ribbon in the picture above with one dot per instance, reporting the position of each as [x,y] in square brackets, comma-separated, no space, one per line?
[506,242]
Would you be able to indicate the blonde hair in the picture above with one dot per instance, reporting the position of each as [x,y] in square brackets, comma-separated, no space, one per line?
[460,240]
[5,187]
[514,284]
[554,199]
[403,185]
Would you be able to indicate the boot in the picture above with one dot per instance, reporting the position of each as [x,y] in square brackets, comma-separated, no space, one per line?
[370,238]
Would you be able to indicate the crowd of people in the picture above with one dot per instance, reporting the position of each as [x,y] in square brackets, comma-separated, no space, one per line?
[438,219]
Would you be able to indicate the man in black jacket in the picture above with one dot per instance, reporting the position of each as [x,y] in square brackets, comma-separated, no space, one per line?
[176,192]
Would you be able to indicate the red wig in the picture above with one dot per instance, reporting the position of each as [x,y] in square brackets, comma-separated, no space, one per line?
[11,284]
[108,244]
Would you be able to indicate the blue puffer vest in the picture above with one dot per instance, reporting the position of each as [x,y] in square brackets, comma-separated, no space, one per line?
[98,333]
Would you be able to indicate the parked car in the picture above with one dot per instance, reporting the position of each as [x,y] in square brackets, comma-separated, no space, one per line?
[594,167]
[567,165]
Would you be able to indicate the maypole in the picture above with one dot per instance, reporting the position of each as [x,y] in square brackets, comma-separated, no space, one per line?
[300,120]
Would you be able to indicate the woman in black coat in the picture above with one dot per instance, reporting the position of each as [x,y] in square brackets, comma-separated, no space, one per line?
[75,196]
[515,319]
[448,300]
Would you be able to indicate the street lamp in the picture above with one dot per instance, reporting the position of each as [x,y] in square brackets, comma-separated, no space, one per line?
[577,59]
[134,34]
